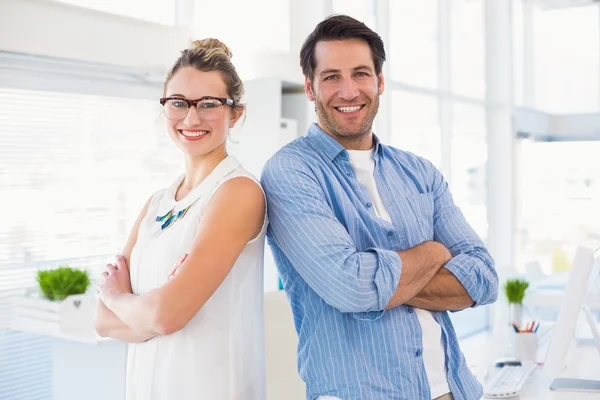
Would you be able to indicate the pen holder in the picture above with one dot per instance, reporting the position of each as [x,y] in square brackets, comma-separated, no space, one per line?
[526,344]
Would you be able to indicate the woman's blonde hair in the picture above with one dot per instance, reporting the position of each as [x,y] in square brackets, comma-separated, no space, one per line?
[211,55]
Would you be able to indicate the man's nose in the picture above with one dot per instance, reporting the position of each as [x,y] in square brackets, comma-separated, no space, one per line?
[349,90]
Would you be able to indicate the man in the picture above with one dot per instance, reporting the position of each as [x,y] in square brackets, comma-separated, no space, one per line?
[370,247]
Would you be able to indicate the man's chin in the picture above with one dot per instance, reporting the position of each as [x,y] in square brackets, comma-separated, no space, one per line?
[352,131]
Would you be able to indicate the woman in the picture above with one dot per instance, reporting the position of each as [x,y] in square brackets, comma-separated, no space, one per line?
[187,292]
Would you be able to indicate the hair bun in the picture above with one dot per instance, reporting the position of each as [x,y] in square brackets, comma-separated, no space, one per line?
[210,44]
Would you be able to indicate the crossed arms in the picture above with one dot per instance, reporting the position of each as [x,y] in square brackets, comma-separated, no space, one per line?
[233,216]
[451,272]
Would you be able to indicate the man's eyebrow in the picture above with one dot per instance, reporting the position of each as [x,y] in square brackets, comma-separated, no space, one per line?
[333,70]
[329,71]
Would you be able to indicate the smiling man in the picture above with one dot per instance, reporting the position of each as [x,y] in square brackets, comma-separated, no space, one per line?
[370,246]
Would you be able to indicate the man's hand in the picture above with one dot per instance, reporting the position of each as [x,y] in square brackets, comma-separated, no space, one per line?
[439,253]
[115,280]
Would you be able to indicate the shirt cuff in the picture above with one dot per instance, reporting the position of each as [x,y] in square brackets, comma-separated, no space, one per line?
[387,276]
[461,267]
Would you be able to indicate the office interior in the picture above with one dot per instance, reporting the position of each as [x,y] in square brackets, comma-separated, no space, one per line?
[503,96]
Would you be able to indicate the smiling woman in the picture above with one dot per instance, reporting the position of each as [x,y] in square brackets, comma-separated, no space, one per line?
[187,290]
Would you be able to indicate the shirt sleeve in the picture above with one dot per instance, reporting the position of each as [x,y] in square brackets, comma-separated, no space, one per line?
[472,264]
[304,226]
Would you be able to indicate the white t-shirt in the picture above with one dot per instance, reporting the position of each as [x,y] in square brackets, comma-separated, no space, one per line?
[433,351]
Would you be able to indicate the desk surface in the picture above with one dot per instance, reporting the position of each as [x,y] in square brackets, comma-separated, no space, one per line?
[583,363]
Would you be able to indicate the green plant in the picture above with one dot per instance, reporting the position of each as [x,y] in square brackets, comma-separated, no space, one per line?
[515,290]
[57,284]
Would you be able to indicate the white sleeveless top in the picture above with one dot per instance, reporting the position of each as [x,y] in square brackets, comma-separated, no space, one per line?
[220,352]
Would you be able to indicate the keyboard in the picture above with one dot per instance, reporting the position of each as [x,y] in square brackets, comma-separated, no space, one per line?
[509,381]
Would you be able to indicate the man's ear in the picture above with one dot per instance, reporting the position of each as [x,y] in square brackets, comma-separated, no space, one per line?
[308,88]
[380,83]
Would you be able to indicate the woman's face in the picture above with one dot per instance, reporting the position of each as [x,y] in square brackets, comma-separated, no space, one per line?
[198,133]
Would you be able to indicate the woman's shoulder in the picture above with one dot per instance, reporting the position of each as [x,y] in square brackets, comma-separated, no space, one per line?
[240,172]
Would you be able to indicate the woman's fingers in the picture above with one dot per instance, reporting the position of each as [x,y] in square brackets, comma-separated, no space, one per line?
[110,268]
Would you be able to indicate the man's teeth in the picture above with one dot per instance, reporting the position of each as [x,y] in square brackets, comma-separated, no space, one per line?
[349,109]
[194,134]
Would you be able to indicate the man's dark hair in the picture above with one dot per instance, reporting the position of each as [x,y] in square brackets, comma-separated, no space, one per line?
[340,27]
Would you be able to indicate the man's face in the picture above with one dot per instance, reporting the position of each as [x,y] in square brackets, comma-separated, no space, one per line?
[345,89]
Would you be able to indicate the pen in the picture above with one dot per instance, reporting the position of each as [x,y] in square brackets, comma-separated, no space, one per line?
[516,328]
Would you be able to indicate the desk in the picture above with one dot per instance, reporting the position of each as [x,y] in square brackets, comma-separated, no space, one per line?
[583,363]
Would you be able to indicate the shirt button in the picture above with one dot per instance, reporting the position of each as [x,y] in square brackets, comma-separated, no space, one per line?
[390,233]
[418,353]
[368,205]
[410,310]
[349,173]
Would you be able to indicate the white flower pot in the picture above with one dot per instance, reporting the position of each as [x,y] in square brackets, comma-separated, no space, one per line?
[72,317]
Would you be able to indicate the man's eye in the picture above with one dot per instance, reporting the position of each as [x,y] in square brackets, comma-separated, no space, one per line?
[330,77]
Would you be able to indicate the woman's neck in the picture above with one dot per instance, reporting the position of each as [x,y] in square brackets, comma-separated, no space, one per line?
[197,169]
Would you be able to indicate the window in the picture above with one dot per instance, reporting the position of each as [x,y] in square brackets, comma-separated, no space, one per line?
[362,10]
[567,60]
[415,126]
[413,46]
[518,26]
[467,40]
[469,161]
[161,12]
[558,202]
[75,171]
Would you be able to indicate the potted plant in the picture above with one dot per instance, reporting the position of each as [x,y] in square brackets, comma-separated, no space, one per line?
[60,306]
[57,284]
[515,293]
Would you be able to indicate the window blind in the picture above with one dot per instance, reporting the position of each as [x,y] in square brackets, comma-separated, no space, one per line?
[75,170]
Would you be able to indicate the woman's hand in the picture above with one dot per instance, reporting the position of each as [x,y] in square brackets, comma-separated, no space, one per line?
[115,280]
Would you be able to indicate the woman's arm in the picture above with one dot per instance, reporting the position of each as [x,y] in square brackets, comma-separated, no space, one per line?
[106,322]
[233,216]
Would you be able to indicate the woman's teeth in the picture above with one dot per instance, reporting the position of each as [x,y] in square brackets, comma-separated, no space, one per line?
[194,133]
[349,109]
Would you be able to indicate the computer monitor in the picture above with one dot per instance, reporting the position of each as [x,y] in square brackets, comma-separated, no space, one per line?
[574,302]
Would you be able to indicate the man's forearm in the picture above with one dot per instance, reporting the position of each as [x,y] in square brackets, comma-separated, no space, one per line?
[443,293]
[419,266]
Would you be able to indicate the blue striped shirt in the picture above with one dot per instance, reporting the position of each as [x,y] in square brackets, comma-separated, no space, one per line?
[339,265]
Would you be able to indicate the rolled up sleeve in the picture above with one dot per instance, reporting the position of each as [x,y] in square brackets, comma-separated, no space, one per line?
[472,264]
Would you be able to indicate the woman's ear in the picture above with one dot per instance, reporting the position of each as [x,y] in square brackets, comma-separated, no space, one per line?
[236,115]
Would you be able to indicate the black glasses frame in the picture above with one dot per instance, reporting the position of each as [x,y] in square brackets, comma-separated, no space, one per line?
[190,103]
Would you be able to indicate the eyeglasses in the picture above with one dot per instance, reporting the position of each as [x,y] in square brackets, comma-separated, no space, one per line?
[208,108]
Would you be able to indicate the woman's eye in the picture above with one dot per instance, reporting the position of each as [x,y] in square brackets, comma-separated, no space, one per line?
[208,104]
[178,104]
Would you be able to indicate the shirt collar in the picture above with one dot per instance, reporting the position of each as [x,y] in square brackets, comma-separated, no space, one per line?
[331,147]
